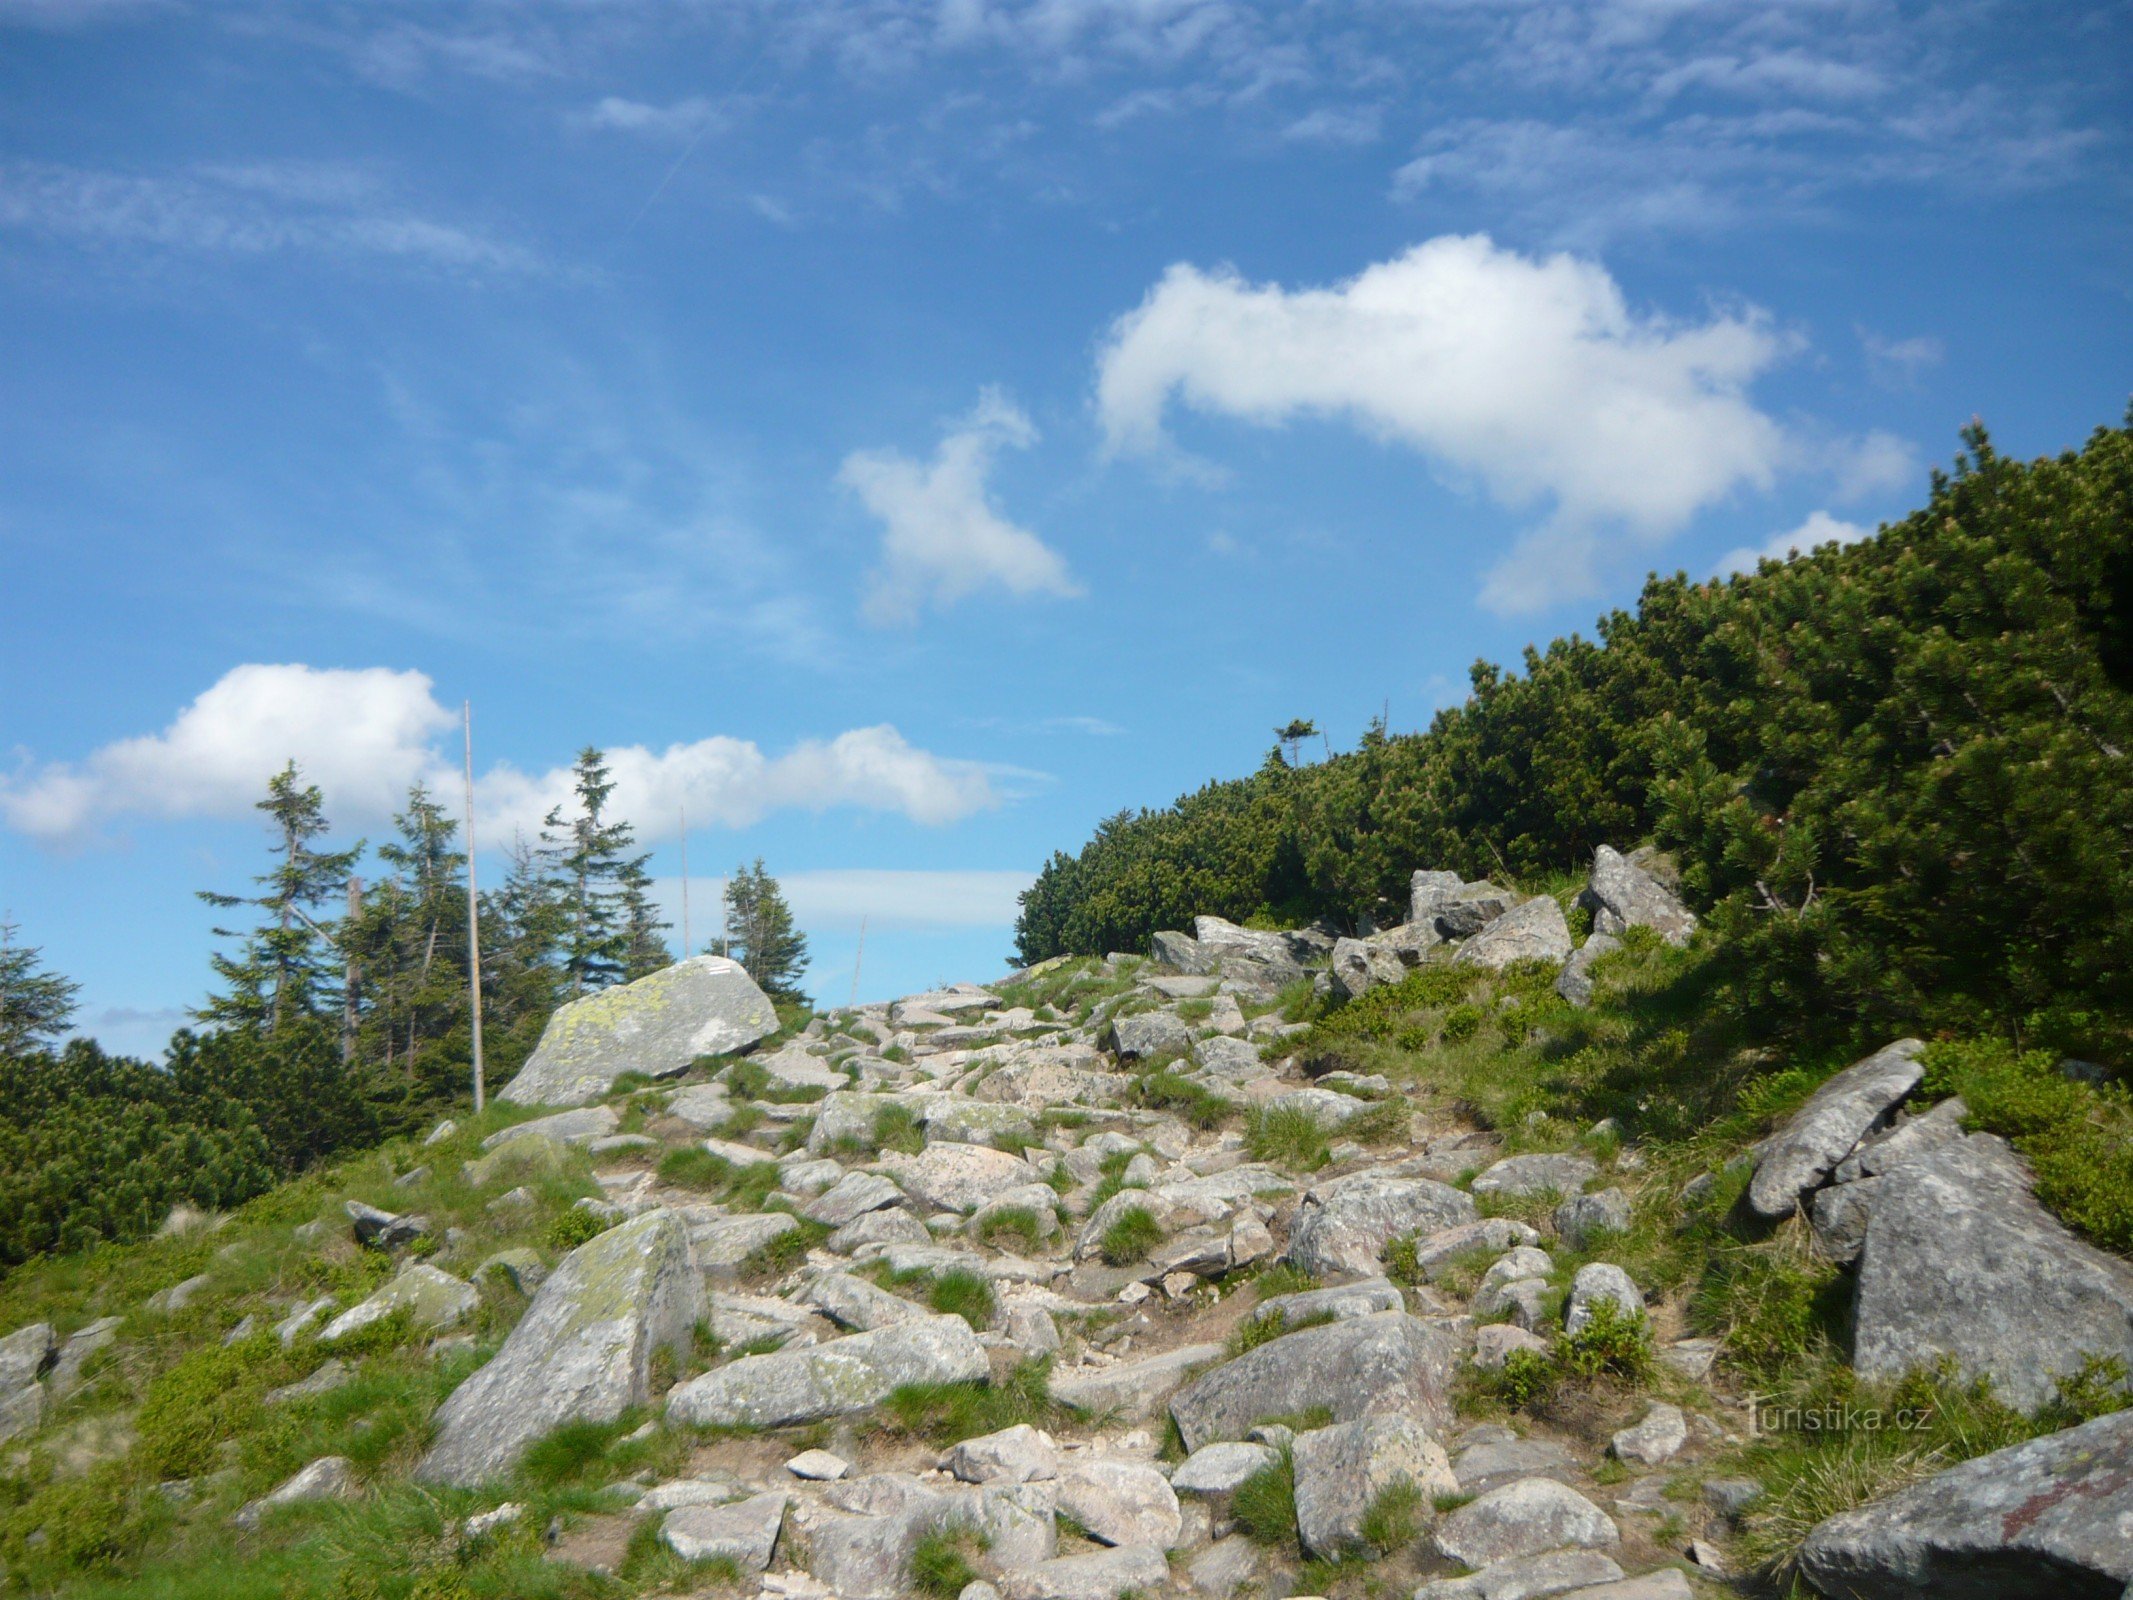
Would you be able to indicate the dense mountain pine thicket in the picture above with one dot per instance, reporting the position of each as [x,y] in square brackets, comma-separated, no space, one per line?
[1895,775]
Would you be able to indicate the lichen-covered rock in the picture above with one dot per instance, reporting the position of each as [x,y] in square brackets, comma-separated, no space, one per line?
[1961,1262]
[1131,1389]
[2048,1520]
[328,1478]
[1099,1575]
[1534,931]
[1343,1226]
[1183,952]
[658,1025]
[851,1196]
[831,1380]
[582,1352]
[1536,1174]
[1656,1438]
[1585,1218]
[1013,1455]
[1359,965]
[1343,1300]
[1149,1033]
[1388,1364]
[1597,1281]
[958,1177]
[1623,895]
[1119,1502]
[1524,1519]
[431,1299]
[1855,1103]
[1341,1471]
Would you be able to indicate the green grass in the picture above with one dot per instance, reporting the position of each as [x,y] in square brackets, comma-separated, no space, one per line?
[575,1227]
[1393,1519]
[947,1413]
[775,1257]
[1166,1090]
[1263,1327]
[1264,1505]
[1132,1234]
[1018,1225]
[1287,1136]
[896,1128]
[960,1292]
[1283,1278]
[940,1564]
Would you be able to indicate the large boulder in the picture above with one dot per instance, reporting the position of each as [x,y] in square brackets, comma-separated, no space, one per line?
[1183,952]
[1342,1470]
[658,1025]
[1131,1389]
[1623,895]
[1574,982]
[1535,931]
[1360,965]
[2048,1520]
[1343,1226]
[432,1300]
[831,1380]
[1149,1033]
[1961,1261]
[1427,891]
[1857,1102]
[1523,1519]
[582,1352]
[1389,1364]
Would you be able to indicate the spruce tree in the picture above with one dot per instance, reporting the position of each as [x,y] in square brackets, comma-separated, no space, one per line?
[411,939]
[760,934]
[587,857]
[287,968]
[646,952]
[35,1005]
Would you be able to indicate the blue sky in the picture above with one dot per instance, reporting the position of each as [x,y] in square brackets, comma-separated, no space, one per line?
[907,431]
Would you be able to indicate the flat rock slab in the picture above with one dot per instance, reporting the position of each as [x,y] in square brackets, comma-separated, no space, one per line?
[831,1380]
[958,1177]
[1858,1101]
[583,1351]
[745,1532]
[431,1299]
[658,1026]
[1343,1300]
[1524,1519]
[2048,1520]
[1388,1364]
[580,1126]
[1133,1389]
[1120,1502]
[1101,1575]
[1960,1260]
[1536,1174]
[1222,1467]
[328,1478]
[1527,1577]
[1342,1227]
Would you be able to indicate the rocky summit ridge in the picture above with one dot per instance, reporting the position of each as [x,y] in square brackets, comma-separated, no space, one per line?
[939,1297]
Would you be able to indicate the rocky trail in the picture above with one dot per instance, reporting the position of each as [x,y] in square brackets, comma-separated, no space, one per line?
[1078,1287]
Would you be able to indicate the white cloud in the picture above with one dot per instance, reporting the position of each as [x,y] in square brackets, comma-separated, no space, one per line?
[1531,375]
[364,735]
[361,735]
[1819,529]
[1875,463]
[943,539]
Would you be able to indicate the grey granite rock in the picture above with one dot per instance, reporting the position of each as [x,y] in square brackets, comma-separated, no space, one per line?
[1387,1364]
[1960,1261]
[1534,931]
[2048,1520]
[1342,1226]
[582,1352]
[833,1379]
[1341,1471]
[1523,1519]
[1623,895]
[1857,1102]
[658,1026]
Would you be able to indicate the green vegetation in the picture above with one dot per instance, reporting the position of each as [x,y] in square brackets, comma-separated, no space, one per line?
[760,933]
[1264,1505]
[1393,1519]
[946,1413]
[1013,1225]
[940,1563]
[1287,1136]
[1132,1234]
[1892,772]
[959,1292]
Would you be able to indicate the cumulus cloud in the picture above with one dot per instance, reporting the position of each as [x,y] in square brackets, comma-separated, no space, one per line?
[943,540]
[1531,376]
[364,735]
[1819,529]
